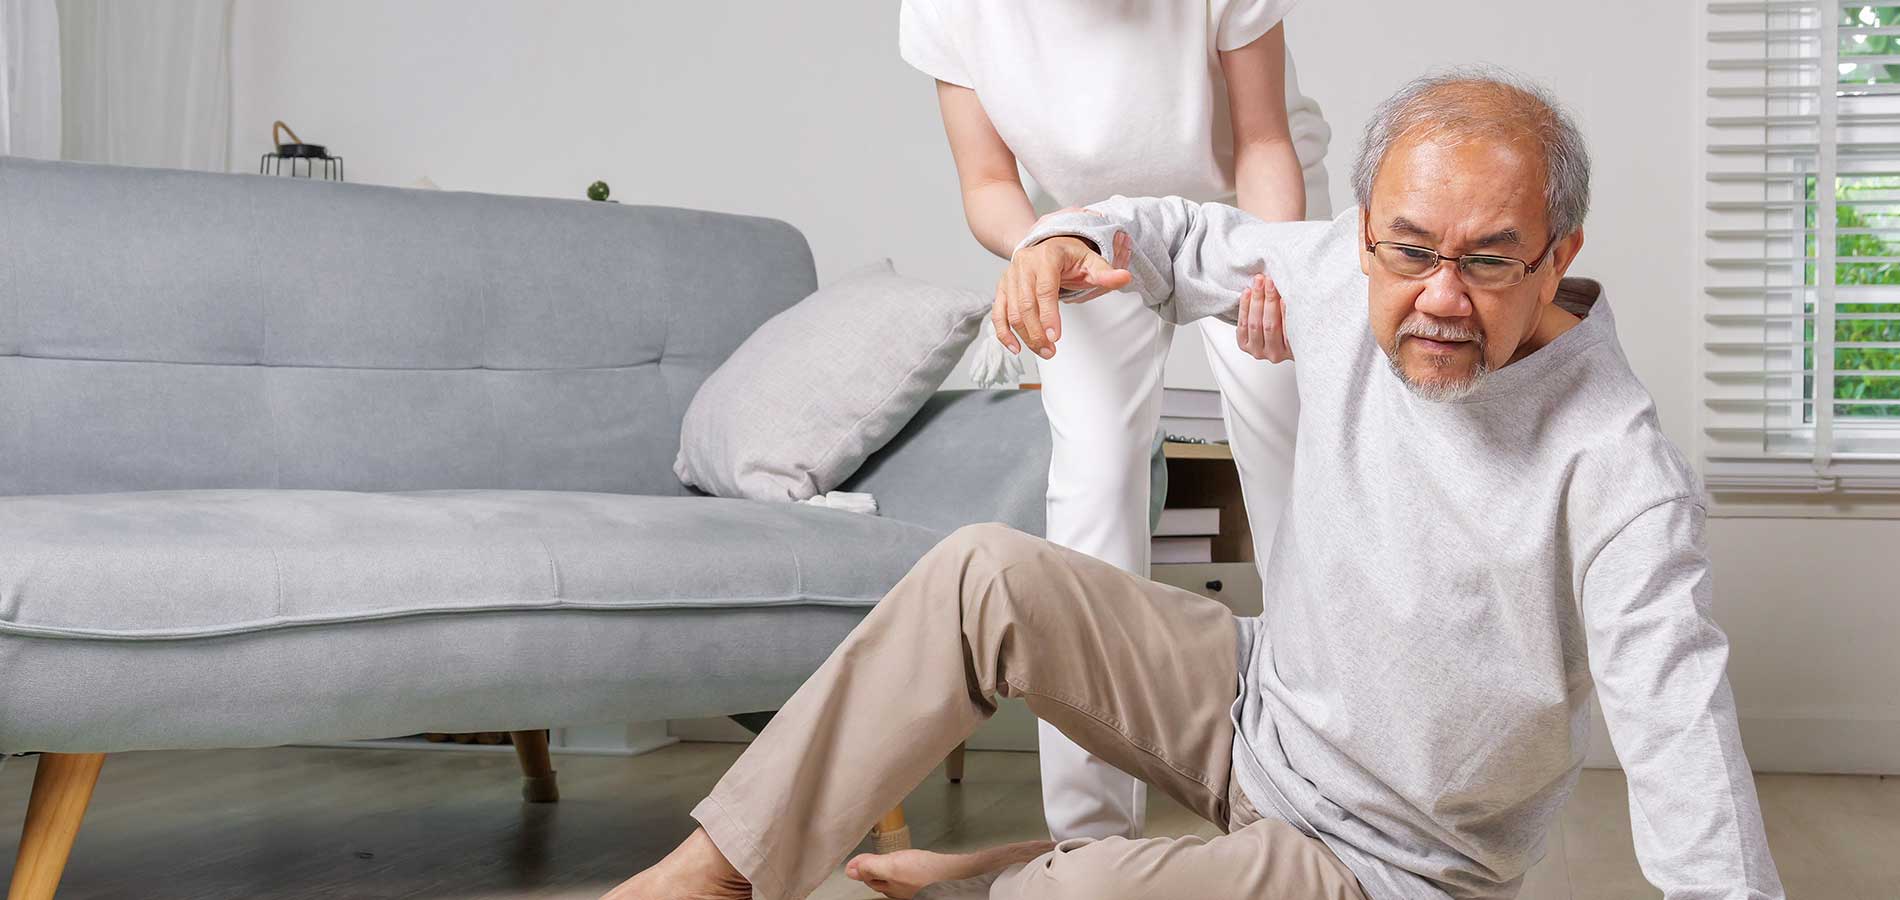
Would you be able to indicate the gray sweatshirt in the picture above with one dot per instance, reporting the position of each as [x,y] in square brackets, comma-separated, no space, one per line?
[1452,579]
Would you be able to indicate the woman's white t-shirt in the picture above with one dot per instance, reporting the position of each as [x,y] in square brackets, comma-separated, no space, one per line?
[1100,97]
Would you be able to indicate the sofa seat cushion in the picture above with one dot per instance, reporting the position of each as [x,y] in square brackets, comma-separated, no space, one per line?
[184,565]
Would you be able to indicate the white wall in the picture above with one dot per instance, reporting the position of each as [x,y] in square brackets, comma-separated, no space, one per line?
[804,112]
[799,111]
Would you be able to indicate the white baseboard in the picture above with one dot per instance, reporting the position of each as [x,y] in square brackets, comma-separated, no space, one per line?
[1822,745]
[585,740]
[719,730]
[612,740]
[1805,745]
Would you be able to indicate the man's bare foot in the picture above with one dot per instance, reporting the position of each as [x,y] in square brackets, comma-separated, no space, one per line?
[903,873]
[695,870]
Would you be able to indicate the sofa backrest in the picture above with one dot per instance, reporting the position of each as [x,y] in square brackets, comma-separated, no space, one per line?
[163,329]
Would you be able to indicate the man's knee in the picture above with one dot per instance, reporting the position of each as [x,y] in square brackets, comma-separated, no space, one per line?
[980,555]
[990,546]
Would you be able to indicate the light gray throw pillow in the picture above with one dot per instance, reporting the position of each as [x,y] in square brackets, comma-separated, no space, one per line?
[821,386]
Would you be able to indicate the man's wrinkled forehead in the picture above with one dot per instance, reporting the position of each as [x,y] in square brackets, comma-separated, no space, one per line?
[1484,193]
[1402,228]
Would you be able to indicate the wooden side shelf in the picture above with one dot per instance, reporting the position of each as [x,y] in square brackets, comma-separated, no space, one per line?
[1203,476]
[1183,450]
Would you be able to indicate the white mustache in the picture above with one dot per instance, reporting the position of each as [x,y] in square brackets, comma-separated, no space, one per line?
[1435,330]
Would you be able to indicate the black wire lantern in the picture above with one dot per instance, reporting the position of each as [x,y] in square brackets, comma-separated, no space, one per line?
[295,150]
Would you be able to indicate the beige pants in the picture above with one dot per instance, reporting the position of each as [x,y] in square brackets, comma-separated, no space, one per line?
[1140,674]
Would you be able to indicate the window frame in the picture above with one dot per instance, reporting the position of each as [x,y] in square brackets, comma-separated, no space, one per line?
[1806,447]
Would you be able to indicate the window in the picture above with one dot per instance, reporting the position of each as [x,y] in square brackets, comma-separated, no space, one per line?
[1801,296]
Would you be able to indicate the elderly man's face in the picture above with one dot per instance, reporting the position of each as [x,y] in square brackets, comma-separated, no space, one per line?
[1476,196]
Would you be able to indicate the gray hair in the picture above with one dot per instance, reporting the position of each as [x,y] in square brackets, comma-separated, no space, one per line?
[1484,102]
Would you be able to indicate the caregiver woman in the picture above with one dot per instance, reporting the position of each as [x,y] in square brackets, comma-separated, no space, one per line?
[1094,98]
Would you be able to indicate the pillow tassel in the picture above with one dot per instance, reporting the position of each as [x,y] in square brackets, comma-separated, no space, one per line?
[994,366]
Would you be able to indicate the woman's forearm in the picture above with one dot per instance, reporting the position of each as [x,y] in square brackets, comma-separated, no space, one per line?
[994,202]
[1268,181]
[1267,178]
[999,213]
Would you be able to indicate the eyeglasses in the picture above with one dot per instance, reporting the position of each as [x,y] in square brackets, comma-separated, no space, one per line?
[1481,270]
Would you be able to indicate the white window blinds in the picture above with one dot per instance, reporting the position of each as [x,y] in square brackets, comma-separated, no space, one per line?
[1801,324]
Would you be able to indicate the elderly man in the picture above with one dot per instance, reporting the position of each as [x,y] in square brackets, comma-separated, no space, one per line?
[1486,523]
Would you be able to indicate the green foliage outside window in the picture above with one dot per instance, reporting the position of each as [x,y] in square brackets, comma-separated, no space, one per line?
[1849,360]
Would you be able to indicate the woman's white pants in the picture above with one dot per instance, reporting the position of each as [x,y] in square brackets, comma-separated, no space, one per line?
[1102,393]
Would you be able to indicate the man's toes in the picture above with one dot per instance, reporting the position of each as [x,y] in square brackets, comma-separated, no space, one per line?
[866,867]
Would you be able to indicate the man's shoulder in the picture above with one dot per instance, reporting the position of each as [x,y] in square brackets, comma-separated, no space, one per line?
[1315,264]
[1324,254]
[1306,238]
[1622,462]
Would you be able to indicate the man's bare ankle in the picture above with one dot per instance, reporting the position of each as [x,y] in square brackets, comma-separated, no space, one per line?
[703,857]
[695,869]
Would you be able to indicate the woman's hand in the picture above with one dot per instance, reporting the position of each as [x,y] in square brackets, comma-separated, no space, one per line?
[1261,330]
[1028,297]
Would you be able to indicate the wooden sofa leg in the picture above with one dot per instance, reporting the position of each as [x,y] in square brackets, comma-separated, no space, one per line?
[537,770]
[62,786]
[891,834]
[953,766]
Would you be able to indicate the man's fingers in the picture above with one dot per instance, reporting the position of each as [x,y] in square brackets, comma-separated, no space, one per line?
[1031,328]
[999,320]
[1028,320]
[1095,283]
[1111,279]
[1087,276]
[1048,303]
[1016,290]
[1124,249]
[1102,274]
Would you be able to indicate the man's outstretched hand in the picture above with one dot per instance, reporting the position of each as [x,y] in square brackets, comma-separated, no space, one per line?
[1261,330]
[1028,304]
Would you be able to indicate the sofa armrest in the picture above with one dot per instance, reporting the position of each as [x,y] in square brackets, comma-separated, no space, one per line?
[967,457]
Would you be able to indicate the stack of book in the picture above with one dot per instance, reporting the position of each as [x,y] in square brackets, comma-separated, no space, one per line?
[1192,414]
[1185,535]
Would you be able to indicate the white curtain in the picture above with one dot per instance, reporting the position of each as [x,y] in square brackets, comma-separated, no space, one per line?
[29,79]
[147,83]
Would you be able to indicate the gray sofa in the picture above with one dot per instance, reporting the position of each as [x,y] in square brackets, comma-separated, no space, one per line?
[284,461]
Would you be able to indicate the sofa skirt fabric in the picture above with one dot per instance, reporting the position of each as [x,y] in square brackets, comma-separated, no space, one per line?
[471,671]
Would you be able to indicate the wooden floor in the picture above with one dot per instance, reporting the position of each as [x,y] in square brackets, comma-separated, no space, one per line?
[304,823]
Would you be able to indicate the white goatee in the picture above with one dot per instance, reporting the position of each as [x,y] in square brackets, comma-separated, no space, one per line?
[1437,330]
